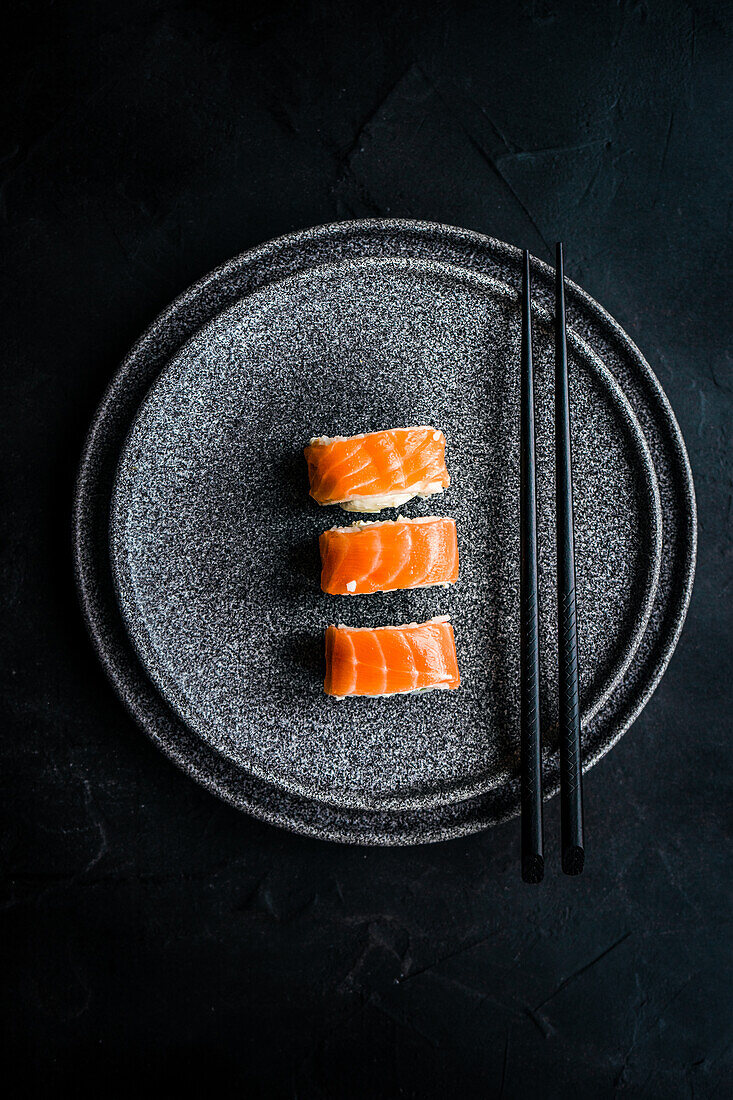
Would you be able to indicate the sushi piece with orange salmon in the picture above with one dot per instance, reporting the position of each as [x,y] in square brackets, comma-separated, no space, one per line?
[390,660]
[386,555]
[376,470]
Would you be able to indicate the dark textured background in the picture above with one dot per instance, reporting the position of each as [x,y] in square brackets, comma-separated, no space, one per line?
[153,937]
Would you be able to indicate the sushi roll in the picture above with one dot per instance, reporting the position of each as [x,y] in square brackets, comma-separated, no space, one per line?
[385,555]
[376,470]
[390,660]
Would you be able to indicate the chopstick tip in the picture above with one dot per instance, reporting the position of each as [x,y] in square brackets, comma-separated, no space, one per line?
[573,859]
[533,868]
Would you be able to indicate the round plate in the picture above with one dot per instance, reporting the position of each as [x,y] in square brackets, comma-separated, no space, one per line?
[304,307]
[215,541]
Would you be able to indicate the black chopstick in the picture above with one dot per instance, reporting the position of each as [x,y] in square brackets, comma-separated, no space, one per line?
[533,862]
[571,780]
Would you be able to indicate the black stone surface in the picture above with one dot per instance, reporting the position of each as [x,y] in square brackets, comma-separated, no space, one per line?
[155,938]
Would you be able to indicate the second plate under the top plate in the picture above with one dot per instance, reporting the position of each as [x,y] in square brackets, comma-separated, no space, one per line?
[215,540]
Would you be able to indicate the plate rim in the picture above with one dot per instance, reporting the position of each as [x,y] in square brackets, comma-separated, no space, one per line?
[133,687]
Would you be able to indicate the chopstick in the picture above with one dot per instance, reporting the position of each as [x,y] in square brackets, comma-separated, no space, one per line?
[533,862]
[571,780]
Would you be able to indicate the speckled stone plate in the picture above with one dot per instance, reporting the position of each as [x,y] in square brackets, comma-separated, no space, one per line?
[214,538]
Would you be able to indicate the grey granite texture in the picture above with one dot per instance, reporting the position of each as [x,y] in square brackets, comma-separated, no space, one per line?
[98,470]
[215,539]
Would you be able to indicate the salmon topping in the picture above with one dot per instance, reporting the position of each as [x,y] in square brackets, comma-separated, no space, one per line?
[389,555]
[390,660]
[378,469]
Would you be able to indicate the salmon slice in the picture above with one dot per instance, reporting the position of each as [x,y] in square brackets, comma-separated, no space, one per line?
[384,555]
[375,470]
[390,660]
